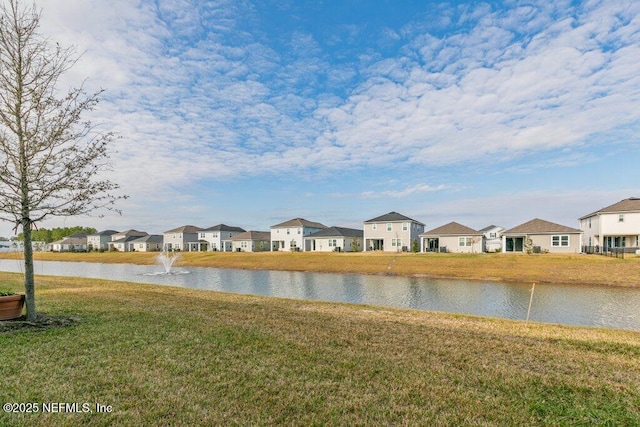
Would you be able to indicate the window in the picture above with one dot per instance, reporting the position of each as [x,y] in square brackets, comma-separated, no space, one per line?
[464,241]
[374,226]
[589,222]
[621,218]
[396,242]
[288,231]
[405,226]
[389,227]
[202,235]
[299,229]
[560,240]
[492,235]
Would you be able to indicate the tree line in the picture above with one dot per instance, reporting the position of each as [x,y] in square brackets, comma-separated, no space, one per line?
[58,233]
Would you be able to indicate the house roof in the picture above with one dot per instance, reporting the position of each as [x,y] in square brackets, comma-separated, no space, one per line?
[224,227]
[151,238]
[185,229]
[105,233]
[71,241]
[393,217]
[125,239]
[452,229]
[491,227]
[252,235]
[632,204]
[299,222]
[132,233]
[539,226]
[337,232]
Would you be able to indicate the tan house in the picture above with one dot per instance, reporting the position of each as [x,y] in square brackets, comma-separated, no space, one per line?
[392,232]
[251,241]
[149,243]
[615,226]
[335,239]
[289,235]
[121,242]
[452,237]
[76,243]
[538,235]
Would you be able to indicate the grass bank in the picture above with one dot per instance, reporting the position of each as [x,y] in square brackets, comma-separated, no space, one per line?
[540,268]
[173,356]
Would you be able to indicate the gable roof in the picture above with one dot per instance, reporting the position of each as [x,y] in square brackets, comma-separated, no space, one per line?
[632,204]
[393,217]
[185,229]
[337,232]
[299,222]
[131,233]
[252,235]
[539,226]
[105,233]
[151,238]
[452,229]
[224,227]
[491,227]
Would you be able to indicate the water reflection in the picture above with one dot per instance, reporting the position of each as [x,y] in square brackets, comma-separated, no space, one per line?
[576,305]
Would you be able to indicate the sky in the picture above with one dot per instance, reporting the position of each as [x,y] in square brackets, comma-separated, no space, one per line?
[253,112]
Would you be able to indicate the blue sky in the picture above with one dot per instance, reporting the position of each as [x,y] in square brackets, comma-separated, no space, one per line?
[250,113]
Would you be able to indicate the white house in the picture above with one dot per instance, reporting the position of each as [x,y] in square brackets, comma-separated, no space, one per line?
[452,237]
[100,240]
[289,235]
[492,238]
[75,243]
[218,237]
[335,239]
[392,232]
[121,241]
[615,226]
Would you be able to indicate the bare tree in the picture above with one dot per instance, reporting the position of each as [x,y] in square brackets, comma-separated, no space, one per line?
[49,156]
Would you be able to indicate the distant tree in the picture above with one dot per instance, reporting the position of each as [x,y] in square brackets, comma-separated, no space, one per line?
[58,233]
[49,156]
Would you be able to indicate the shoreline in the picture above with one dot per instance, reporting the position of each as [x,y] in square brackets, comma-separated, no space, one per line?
[574,269]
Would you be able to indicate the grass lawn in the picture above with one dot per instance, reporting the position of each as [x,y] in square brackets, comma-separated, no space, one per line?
[171,356]
[539,268]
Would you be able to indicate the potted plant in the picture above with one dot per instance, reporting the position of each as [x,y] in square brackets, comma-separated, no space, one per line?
[11,304]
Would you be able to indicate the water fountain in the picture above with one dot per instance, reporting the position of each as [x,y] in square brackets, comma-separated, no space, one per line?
[166,260]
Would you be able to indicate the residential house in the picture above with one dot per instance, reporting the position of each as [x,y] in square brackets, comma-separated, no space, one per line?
[73,243]
[542,236]
[251,241]
[185,238]
[100,240]
[391,232]
[615,226]
[452,237]
[217,238]
[121,241]
[289,235]
[335,239]
[492,238]
[148,243]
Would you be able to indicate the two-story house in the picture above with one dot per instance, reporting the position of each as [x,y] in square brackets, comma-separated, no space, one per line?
[290,235]
[185,238]
[392,232]
[614,226]
[492,238]
[100,240]
[218,237]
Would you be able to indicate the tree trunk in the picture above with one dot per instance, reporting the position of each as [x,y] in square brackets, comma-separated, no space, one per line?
[29,284]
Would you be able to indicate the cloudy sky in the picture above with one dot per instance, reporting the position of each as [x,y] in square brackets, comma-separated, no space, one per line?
[252,112]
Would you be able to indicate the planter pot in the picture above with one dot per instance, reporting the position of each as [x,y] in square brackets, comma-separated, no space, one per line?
[11,306]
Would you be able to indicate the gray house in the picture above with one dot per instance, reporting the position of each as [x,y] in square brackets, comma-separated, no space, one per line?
[452,237]
[251,241]
[392,232]
[150,243]
[185,238]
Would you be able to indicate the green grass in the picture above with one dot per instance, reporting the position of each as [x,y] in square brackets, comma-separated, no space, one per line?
[172,356]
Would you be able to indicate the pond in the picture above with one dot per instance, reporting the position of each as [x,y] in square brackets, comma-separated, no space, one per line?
[602,306]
